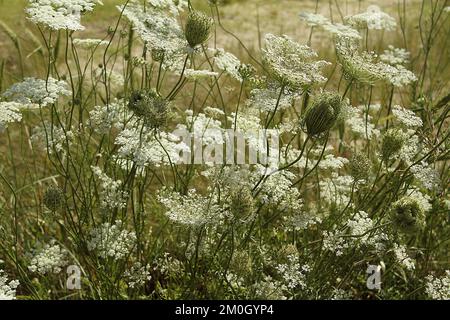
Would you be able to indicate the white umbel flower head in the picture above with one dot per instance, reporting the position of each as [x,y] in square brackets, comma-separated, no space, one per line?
[49,259]
[7,288]
[9,112]
[37,91]
[111,241]
[291,63]
[373,19]
[438,288]
[59,14]
[406,117]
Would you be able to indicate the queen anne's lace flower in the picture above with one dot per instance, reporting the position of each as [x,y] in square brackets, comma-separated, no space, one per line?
[373,19]
[406,117]
[227,62]
[9,112]
[438,288]
[292,63]
[89,44]
[36,91]
[111,241]
[336,29]
[158,29]
[192,209]
[395,56]
[402,257]
[7,289]
[111,193]
[49,259]
[59,14]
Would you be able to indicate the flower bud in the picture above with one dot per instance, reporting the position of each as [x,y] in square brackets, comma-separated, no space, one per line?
[323,113]
[53,198]
[198,27]
[407,215]
[393,140]
[150,107]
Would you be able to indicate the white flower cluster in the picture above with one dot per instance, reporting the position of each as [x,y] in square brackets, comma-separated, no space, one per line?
[111,241]
[9,112]
[427,175]
[292,63]
[37,91]
[191,209]
[89,44]
[336,29]
[292,273]
[52,139]
[51,258]
[336,189]
[104,118]
[373,19]
[151,148]
[111,193]
[402,257]
[173,6]
[266,99]
[137,275]
[192,74]
[438,288]
[227,62]
[156,27]
[406,117]
[358,233]
[395,56]
[7,289]
[59,14]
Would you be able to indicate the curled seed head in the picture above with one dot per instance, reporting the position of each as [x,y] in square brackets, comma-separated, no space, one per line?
[53,198]
[393,141]
[360,166]
[150,107]
[242,202]
[407,215]
[198,28]
[323,113]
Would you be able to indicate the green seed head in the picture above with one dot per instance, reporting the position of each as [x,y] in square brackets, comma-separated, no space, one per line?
[408,215]
[323,113]
[393,141]
[150,107]
[53,198]
[360,166]
[198,28]
[242,202]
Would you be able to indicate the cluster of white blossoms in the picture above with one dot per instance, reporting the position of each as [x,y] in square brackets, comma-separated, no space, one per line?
[293,273]
[111,241]
[427,176]
[336,29]
[37,91]
[9,113]
[406,117]
[51,258]
[192,74]
[359,125]
[52,139]
[192,209]
[104,118]
[438,288]
[89,44]
[156,27]
[373,19]
[402,257]
[226,62]
[7,288]
[395,56]
[173,6]
[291,63]
[59,14]
[137,275]
[335,190]
[357,232]
[111,193]
[266,99]
[150,148]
